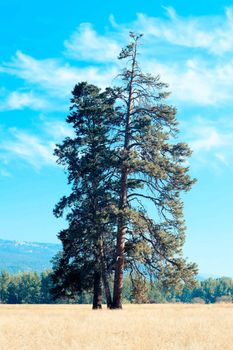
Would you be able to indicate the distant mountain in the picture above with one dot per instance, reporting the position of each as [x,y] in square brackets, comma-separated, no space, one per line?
[18,256]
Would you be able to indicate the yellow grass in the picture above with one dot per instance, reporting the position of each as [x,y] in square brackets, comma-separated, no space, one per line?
[74,327]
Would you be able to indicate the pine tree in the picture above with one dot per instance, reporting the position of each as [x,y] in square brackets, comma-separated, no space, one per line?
[153,174]
[5,280]
[88,242]
[127,174]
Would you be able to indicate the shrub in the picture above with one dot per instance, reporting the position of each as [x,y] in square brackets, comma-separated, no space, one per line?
[224,299]
[198,300]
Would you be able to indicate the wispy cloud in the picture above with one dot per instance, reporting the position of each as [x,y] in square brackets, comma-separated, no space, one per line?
[58,129]
[196,81]
[209,138]
[35,148]
[53,76]
[211,141]
[30,148]
[19,100]
[193,81]
[210,33]
[5,173]
[195,77]
[192,54]
[86,44]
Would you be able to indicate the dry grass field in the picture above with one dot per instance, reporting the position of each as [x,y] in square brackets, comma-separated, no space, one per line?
[144,327]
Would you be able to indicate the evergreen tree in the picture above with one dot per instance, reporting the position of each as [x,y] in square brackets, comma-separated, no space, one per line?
[5,279]
[88,242]
[127,174]
[46,285]
[152,176]
[29,288]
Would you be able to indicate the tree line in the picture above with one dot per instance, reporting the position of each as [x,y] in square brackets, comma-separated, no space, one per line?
[25,288]
[127,173]
[34,288]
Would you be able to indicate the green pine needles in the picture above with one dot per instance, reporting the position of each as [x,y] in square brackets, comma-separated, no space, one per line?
[127,175]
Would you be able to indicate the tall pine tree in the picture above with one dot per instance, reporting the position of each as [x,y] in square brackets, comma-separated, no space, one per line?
[88,242]
[153,174]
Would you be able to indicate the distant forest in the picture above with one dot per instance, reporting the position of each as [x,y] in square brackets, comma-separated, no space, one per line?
[35,288]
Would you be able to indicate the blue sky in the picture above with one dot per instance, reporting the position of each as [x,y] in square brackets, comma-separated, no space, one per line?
[47,47]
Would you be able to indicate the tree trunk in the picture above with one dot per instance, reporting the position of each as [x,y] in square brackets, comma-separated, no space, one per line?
[97,294]
[105,275]
[107,290]
[119,268]
[120,248]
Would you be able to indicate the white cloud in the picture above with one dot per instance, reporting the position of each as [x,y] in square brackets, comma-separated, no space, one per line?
[53,76]
[4,173]
[30,148]
[19,100]
[195,77]
[211,141]
[86,44]
[192,81]
[58,129]
[195,81]
[210,33]
[207,138]
[222,158]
